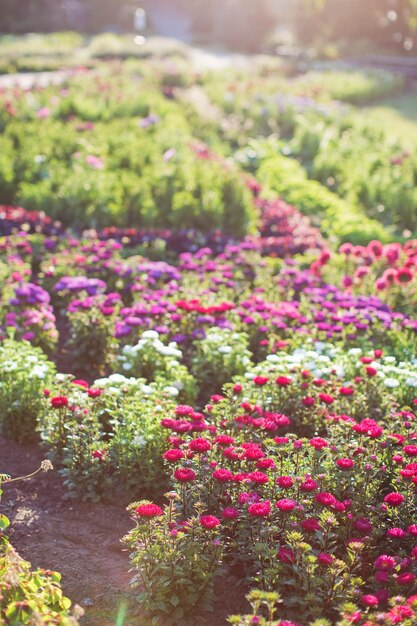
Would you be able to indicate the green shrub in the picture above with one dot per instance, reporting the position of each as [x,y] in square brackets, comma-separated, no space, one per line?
[175,568]
[336,217]
[108,437]
[156,362]
[108,166]
[221,355]
[24,372]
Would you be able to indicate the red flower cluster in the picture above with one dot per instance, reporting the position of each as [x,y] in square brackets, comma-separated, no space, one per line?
[148,510]
[59,402]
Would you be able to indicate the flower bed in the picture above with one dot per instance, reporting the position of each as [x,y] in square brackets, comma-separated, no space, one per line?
[298,475]
[229,356]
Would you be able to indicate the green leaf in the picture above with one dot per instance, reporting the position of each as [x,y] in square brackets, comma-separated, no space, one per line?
[66,603]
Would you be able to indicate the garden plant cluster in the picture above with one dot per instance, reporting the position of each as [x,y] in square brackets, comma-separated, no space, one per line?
[189,320]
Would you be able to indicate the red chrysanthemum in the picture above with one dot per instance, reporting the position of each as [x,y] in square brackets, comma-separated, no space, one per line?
[285,504]
[173,455]
[209,522]
[149,510]
[59,401]
[200,445]
[345,464]
[394,499]
[184,475]
[260,509]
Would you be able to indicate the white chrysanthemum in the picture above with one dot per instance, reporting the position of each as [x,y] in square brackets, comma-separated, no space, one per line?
[172,391]
[129,351]
[300,352]
[9,367]
[101,382]
[117,379]
[323,359]
[391,383]
[150,334]
[215,338]
[169,351]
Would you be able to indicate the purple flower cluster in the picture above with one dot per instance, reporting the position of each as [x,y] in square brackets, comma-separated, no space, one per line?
[76,284]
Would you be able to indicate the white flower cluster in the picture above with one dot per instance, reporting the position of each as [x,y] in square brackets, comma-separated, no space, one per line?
[226,342]
[152,359]
[116,382]
[27,361]
[149,340]
[323,359]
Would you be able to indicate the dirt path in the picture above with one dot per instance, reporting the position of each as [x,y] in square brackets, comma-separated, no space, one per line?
[82,541]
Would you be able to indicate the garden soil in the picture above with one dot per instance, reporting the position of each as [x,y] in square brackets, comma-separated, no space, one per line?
[82,541]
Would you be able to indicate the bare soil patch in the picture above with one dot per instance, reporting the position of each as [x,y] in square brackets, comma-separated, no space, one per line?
[82,541]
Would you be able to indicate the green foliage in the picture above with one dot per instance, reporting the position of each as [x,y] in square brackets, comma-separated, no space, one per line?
[118,169]
[350,155]
[336,217]
[348,85]
[221,355]
[175,564]
[29,596]
[363,165]
[91,342]
[24,372]
[107,437]
[261,602]
[159,363]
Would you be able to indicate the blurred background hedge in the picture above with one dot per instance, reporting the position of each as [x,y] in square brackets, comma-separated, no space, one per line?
[238,24]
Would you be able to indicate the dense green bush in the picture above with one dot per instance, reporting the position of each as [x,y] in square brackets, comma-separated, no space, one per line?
[286,177]
[361,163]
[175,569]
[24,372]
[107,437]
[355,158]
[155,361]
[125,159]
[221,355]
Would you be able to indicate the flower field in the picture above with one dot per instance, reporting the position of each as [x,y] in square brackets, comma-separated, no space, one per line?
[206,316]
